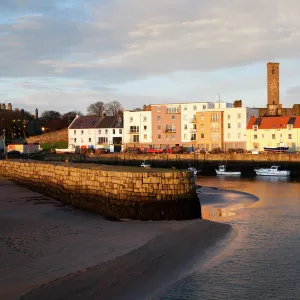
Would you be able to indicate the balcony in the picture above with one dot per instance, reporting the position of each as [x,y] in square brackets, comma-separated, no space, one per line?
[215,129]
[170,130]
[133,132]
[173,111]
[193,120]
[193,130]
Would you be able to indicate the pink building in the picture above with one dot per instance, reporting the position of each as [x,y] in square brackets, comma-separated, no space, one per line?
[166,125]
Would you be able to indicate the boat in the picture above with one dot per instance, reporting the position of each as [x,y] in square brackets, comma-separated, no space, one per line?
[144,165]
[222,171]
[194,170]
[276,149]
[273,171]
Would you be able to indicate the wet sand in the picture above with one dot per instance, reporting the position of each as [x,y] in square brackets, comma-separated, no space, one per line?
[52,251]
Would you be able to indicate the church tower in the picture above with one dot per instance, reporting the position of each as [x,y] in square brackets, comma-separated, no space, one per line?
[273,107]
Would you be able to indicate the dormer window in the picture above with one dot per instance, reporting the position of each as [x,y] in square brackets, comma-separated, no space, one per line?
[255,127]
[290,127]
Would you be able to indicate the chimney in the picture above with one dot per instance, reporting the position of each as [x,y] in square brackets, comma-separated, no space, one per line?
[36,113]
[9,106]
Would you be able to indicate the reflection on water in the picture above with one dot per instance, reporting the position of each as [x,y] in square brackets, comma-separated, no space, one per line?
[263,262]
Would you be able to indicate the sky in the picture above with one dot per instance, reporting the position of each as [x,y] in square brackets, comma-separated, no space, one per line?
[64,55]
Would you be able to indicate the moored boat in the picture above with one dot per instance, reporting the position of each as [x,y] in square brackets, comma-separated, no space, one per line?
[222,171]
[273,171]
[144,165]
[276,149]
[196,172]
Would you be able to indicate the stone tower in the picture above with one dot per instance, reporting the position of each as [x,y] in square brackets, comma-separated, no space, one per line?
[9,106]
[36,113]
[273,107]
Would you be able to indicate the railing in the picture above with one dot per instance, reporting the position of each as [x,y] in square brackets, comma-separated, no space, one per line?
[170,130]
[133,132]
[215,129]
[193,130]
[193,120]
[177,111]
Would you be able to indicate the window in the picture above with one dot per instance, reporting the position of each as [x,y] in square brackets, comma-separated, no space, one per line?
[158,118]
[195,107]
[131,119]
[106,131]
[136,138]
[167,136]
[145,127]
[81,140]
[239,125]
[74,132]
[158,108]
[185,136]
[239,115]
[255,136]
[289,127]
[194,126]
[102,140]
[185,117]
[202,135]
[215,117]
[159,127]
[173,117]
[74,140]
[120,131]
[290,136]
[145,119]
[228,117]
[145,136]
[228,135]
[184,107]
[82,131]
[159,136]
[172,109]
[90,140]
[273,136]
[193,137]
[202,126]
[262,136]
[89,131]
[202,117]
[114,131]
[185,126]
[134,129]
[255,127]
[215,136]
[99,131]
[239,135]
[204,107]
[228,125]
[173,136]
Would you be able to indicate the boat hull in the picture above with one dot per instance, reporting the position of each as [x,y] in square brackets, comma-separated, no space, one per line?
[276,149]
[228,173]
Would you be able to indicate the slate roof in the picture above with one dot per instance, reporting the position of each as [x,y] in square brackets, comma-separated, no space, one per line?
[111,122]
[274,122]
[85,122]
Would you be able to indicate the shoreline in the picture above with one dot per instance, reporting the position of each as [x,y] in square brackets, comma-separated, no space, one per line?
[56,244]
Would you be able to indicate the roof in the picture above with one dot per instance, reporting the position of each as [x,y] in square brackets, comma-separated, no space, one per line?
[274,122]
[85,122]
[111,122]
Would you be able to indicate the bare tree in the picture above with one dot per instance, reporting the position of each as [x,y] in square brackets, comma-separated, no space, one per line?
[70,116]
[49,115]
[112,108]
[96,109]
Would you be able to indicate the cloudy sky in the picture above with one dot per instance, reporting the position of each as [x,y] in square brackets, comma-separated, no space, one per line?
[65,54]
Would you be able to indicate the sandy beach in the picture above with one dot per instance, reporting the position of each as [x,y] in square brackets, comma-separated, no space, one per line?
[53,251]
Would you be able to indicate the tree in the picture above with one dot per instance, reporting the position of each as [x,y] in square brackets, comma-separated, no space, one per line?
[49,115]
[113,108]
[70,116]
[137,109]
[96,109]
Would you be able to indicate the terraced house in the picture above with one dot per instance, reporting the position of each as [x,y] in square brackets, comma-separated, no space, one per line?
[274,132]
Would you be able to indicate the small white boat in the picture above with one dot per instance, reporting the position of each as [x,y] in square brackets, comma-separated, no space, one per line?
[273,171]
[194,170]
[222,171]
[144,165]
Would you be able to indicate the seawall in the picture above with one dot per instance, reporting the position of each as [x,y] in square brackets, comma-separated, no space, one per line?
[115,192]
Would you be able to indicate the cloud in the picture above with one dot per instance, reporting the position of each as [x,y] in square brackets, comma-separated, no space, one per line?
[112,42]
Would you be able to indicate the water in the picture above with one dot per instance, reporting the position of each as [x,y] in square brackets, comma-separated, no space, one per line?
[263,261]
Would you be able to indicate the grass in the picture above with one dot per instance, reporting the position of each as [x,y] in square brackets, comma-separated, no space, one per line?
[48,146]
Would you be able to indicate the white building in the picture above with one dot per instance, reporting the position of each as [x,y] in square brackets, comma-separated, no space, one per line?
[137,128]
[235,122]
[81,131]
[109,133]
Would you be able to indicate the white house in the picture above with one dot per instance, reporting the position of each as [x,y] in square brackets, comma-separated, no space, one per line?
[81,131]
[235,122]
[137,128]
[109,133]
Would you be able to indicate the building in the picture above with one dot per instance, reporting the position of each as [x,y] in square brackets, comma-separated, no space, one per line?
[137,129]
[210,129]
[274,132]
[82,131]
[109,133]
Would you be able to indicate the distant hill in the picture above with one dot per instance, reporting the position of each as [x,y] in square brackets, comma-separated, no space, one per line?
[49,137]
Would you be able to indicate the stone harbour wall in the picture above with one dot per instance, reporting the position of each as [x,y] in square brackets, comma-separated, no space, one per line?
[114,191]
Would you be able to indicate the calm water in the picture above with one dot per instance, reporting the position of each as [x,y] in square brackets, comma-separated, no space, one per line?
[263,261]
